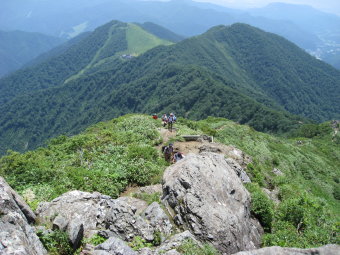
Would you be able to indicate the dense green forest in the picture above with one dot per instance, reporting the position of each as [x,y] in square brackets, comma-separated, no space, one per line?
[238,72]
[188,91]
[55,67]
[18,48]
[53,72]
[111,155]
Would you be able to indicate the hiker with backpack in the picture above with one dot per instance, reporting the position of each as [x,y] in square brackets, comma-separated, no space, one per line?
[171,120]
[178,156]
[164,119]
[168,152]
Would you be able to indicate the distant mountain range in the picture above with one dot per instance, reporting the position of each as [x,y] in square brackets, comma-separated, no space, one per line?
[313,30]
[17,48]
[238,72]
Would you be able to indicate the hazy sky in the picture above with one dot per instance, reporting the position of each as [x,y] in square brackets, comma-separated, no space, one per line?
[332,6]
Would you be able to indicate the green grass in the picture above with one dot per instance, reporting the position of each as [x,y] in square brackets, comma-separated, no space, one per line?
[140,41]
[111,155]
[149,198]
[105,158]
[189,247]
[308,214]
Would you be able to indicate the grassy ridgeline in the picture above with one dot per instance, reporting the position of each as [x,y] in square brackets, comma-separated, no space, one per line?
[105,158]
[109,156]
[308,212]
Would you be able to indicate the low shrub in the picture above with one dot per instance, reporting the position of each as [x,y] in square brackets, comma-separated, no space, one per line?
[56,242]
[149,198]
[261,206]
[139,243]
[189,247]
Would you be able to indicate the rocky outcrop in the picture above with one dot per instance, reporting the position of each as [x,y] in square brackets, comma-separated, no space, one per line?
[230,152]
[113,246]
[158,219]
[17,237]
[175,241]
[325,250]
[157,188]
[85,212]
[170,245]
[207,197]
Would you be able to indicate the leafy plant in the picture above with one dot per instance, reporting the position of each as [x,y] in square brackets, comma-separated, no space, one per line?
[157,238]
[56,242]
[261,206]
[138,243]
[95,240]
[189,247]
[149,198]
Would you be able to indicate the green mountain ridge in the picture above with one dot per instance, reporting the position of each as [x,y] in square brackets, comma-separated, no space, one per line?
[105,42]
[110,156]
[17,48]
[238,72]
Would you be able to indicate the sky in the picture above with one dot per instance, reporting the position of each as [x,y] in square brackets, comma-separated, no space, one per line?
[331,6]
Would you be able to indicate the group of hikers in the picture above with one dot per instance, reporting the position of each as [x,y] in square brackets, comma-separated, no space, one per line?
[167,120]
[170,154]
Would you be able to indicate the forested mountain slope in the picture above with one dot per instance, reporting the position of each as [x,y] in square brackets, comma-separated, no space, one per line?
[18,47]
[315,31]
[109,41]
[238,72]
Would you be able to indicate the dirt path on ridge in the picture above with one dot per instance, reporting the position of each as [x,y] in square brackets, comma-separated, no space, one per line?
[166,136]
[184,147]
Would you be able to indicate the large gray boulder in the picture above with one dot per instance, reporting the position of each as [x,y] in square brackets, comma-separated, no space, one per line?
[230,152]
[17,237]
[207,196]
[113,246]
[158,219]
[94,211]
[325,250]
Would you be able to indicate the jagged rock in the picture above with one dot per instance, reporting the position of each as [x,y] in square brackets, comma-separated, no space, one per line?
[152,189]
[208,197]
[98,211]
[125,223]
[17,237]
[231,152]
[176,241]
[158,219]
[76,232]
[113,246]
[139,204]
[272,194]
[60,223]
[238,170]
[277,172]
[24,208]
[325,250]
[88,249]
[146,251]
[170,245]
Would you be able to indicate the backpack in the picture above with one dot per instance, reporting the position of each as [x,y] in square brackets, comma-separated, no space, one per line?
[165,149]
